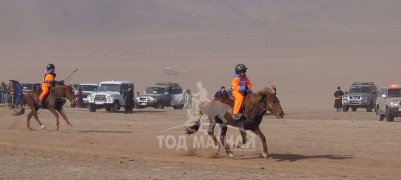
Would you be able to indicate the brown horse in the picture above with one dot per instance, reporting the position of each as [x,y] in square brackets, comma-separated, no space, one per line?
[54,102]
[254,108]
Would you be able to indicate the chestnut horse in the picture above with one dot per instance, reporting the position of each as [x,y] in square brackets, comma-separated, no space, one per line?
[254,108]
[54,102]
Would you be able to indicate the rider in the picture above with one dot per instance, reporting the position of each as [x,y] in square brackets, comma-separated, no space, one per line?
[241,87]
[48,82]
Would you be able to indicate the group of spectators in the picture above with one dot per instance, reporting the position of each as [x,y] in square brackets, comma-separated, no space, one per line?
[11,93]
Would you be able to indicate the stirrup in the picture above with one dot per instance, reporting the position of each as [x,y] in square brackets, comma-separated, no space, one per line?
[237,116]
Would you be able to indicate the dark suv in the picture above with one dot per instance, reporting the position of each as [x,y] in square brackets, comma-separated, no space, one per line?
[161,95]
[360,95]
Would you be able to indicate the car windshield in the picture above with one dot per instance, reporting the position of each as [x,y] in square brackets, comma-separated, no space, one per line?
[88,87]
[27,86]
[109,87]
[154,90]
[357,89]
[394,93]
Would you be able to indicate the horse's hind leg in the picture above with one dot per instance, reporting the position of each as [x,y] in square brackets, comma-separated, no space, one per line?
[28,119]
[35,115]
[61,111]
[223,128]
[57,117]
[210,131]
[263,139]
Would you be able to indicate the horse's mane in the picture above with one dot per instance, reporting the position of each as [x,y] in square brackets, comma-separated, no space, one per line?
[256,103]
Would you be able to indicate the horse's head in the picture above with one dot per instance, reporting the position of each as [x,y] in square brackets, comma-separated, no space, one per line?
[273,104]
[69,94]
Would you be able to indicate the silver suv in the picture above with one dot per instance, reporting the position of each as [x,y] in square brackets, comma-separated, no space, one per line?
[388,103]
[360,95]
[109,95]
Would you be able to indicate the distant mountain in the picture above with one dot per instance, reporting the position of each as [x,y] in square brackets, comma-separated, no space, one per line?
[272,23]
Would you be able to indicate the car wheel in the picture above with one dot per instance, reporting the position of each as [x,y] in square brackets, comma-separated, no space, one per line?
[179,106]
[160,105]
[345,108]
[354,109]
[92,108]
[380,117]
[115,107]
[389,116]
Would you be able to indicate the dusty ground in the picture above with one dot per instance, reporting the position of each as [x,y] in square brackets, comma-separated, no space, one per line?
[307,144]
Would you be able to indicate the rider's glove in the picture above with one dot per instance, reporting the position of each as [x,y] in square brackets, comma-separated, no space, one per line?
[60,82]
[249,91]
[242,88]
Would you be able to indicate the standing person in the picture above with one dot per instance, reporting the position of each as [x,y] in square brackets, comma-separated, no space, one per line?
[20,95]
[222,93]
[338,101]
[5,100]
[188,99]
[79,99]
[12,90]
[48,81]
[129,100]
[242,86]
[3,92]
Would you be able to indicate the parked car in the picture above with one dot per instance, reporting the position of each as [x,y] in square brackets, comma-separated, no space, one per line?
[87,89]
[388,103]
[109,95]
[27,87]
[360,95]
[161,95]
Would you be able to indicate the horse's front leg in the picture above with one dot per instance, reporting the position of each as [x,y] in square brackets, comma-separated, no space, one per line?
[61,111]
[263,139]
[57,117]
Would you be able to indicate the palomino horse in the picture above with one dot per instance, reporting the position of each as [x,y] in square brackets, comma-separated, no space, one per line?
[54,102]
[255,106]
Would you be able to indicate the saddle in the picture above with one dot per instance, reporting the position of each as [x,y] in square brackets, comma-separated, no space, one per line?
[230,102]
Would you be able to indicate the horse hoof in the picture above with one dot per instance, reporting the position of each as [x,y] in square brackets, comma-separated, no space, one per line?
[265,155]
[29,128]
[217,148]
[43,126]
[231,155]
[57,128]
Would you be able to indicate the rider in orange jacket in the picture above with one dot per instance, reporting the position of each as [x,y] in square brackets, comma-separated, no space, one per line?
[241,87]
[48,82]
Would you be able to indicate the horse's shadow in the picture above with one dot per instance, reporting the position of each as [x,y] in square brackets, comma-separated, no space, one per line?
[103,131]
[296,157]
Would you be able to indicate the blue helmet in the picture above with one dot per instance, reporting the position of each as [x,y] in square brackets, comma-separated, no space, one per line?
[50,66]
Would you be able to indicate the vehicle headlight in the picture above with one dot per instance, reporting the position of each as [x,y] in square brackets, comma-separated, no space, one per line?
[109,98]
[91,97]
[345,97]
[152,99]
[394,103]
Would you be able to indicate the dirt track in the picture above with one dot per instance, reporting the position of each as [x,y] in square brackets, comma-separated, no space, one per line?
[307,144]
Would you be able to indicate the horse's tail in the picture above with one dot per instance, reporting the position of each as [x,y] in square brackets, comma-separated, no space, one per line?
[202,109]
[192,129]
[22,111]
